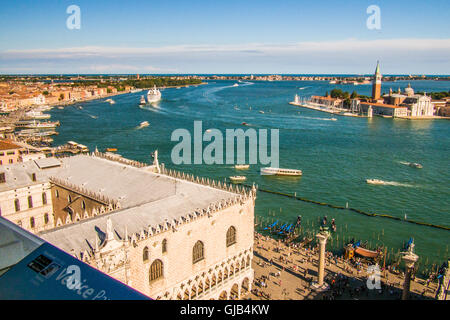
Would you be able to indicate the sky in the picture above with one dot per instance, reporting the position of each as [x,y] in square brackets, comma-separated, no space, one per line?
[245,36]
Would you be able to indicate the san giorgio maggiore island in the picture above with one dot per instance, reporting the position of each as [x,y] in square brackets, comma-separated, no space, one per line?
[174,234]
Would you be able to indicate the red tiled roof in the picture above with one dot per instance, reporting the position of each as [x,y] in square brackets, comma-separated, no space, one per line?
[325,98]
[382,105]
[7,145]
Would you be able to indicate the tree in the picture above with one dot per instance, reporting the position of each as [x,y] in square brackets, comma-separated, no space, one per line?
[354,95]
[45,93]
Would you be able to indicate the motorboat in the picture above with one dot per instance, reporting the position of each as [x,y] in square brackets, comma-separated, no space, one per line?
[375,181]
[415,165]
[237,179]
[144,124]
[280,171]
[142,102]
[241,166]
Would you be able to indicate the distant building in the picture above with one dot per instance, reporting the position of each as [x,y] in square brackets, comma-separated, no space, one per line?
[328,102]
[25,196]
[9,152]
[382,109]
[418,105]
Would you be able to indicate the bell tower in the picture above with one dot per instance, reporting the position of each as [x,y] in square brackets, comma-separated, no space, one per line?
[376,84]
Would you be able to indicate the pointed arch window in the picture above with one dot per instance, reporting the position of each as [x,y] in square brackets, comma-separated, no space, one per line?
[44,198]
[164,246]
[156,270]
[231,236]
[17,204]
[145,254]
[198,252]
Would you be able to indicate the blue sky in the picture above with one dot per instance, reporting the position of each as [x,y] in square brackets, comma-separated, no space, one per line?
[322,36]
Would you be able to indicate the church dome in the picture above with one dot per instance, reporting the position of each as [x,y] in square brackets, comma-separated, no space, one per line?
[409,91]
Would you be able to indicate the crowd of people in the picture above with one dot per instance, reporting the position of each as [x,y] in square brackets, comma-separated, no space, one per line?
[346,278]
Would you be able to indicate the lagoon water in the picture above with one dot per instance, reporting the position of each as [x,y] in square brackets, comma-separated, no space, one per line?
[336,157]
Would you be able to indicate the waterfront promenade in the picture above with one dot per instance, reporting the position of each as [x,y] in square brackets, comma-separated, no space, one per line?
[283,273]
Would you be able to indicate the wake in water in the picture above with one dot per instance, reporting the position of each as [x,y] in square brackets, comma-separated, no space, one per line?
[411,164]
[303,88]
[388,183]
[322,119]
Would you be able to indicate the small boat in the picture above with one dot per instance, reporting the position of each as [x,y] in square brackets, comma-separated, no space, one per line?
[367,253]
[333,119]
[280,172]
[244,123]
[60,107]
[142,102]
[415,165]
[111,149]
[237,179]
[144,124]
[80,107]
[261,111]
[235,85]
[374,181]
[111,101]
[241,166]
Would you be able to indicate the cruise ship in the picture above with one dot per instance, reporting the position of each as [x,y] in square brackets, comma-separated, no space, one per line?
[153,95]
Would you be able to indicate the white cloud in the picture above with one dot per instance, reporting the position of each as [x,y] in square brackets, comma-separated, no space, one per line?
[408,55]
[349,45]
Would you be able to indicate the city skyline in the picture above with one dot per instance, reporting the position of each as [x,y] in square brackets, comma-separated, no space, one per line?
[225,38]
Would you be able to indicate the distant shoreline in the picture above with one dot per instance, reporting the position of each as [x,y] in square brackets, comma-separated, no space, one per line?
[59,104]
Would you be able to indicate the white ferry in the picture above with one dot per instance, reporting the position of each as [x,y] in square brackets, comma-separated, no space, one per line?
[280,172]
[153,95]
[41,125]
[237,179]
[36,115]
[241,166]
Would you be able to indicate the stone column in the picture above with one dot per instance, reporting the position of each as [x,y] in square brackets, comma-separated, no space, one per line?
[320,284]
[322,244]
[410,259]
